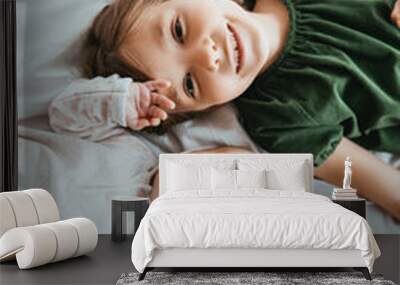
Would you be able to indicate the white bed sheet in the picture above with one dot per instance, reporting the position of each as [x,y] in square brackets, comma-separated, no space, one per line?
[251,219]
[84,176]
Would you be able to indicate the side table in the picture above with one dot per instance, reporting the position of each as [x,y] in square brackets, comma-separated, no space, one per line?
[356,205]
[121,204]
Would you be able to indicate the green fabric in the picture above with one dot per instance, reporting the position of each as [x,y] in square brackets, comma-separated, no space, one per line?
[339,75]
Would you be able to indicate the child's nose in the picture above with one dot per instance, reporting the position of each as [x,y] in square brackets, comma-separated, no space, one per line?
[210,55]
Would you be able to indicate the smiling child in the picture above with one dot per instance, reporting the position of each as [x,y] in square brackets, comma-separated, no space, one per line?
[307,76]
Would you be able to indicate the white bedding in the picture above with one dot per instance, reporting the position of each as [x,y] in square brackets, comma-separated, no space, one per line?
[75,171]
[250,219]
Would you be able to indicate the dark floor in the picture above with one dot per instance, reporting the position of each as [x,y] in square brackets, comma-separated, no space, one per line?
[110,260]
[103,266]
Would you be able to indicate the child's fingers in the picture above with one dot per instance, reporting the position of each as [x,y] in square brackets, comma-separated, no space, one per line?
[162,101]
[142,123]
[158,85]
[156,112]
[144,98]
[139,124]
[155,122]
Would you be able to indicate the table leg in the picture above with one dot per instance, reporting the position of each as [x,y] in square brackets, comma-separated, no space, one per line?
[116,221]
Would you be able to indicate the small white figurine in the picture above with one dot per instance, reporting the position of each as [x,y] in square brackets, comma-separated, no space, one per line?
[347,173]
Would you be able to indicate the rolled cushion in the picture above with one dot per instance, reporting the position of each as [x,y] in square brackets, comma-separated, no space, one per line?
[23,208]
[7,218]
[67,238]
[87,234]
[26,208]
[45,205]
[40,244]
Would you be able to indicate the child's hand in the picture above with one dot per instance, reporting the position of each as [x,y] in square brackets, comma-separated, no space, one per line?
[395,16]
[150,104]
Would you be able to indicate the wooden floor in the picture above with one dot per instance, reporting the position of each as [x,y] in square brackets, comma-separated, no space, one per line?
[110,260]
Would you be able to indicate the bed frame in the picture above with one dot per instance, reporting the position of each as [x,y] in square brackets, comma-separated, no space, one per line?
[261,259]
[246,259]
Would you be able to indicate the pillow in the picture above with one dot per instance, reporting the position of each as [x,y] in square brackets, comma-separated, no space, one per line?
[251,178]
[289,179]
[204,162]
[225,179]
[291,175]
[193,174]
[183,178]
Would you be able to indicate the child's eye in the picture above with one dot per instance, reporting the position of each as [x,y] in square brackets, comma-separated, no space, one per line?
[178,31]
[188,85]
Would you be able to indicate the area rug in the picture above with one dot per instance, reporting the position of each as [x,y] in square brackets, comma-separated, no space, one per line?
[244,278]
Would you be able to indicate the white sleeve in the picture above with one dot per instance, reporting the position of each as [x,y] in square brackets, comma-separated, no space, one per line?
[93,109]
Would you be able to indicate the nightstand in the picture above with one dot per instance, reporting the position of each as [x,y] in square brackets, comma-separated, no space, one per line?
[355,205]
[121,204]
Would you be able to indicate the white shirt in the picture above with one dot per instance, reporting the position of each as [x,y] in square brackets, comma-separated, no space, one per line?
[94,109]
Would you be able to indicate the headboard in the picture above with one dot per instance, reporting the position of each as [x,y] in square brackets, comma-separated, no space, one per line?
[165,158]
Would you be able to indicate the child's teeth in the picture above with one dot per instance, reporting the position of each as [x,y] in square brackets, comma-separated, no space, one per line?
[235,48]
[236,54]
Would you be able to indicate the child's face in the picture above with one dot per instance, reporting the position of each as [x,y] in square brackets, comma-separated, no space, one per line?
[191,44]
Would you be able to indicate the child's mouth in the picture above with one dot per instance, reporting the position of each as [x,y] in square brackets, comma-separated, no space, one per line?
[237,48]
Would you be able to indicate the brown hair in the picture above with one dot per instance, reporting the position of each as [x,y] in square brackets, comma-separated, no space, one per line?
[101,44]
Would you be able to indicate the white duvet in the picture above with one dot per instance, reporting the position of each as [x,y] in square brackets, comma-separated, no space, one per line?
[250,219]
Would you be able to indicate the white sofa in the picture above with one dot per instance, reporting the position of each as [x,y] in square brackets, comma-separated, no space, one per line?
[31,233]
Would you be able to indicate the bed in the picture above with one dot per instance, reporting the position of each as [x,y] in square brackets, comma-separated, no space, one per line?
[247,210]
